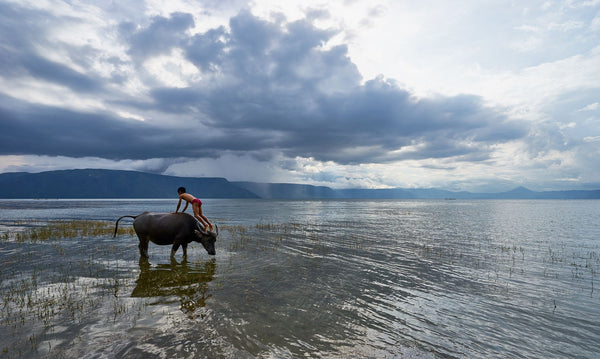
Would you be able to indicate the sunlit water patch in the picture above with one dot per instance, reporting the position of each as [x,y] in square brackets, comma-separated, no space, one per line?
[419,279]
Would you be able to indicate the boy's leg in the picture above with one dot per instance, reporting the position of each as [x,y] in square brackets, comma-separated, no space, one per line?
[204,219]
[198,214]
[210,226]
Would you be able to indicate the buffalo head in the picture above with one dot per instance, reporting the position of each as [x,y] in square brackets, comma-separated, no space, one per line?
[208,239]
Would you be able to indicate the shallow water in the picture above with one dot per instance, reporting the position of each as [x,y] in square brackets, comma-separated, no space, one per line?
[417,279]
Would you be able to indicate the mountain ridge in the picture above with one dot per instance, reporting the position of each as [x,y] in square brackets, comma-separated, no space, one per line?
[101,183]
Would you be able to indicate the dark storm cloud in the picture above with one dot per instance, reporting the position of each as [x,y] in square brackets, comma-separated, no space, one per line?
[22,30]
[162,35]
[19,27]
[59,74]
[266,85]
[308,100]
[206,50]
[38,129]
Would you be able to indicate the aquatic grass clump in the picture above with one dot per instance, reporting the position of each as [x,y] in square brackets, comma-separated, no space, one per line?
[66,229]
[302,238]
[238,235]
[279,227]
[37,298]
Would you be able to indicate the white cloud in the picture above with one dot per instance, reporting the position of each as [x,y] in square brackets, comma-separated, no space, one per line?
[592,139]
[566,26]
[591,107]
[172,70]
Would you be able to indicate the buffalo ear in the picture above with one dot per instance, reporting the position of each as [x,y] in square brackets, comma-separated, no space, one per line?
[200,233]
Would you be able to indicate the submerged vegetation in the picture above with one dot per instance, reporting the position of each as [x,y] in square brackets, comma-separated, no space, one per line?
[49,282]
[71,273]
[65,229]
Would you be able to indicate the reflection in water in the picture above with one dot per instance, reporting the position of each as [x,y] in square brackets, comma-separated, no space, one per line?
[418,279]
[188,282]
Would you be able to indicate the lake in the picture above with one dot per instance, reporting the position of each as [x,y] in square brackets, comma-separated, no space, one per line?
[330,279]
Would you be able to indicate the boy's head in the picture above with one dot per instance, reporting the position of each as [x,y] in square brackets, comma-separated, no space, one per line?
[181,190]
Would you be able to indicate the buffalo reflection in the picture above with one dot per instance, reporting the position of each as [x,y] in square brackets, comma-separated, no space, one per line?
[188,282]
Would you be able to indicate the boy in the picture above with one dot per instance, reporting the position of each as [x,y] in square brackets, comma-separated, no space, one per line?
[196,207]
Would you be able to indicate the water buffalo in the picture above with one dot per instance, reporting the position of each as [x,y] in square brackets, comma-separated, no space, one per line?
[177,229]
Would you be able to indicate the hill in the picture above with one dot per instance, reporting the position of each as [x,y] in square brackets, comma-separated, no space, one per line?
[299,191]
[98,183]
[287,190]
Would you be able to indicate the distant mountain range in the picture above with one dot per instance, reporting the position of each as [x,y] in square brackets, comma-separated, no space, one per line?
[99,183]
[295,191]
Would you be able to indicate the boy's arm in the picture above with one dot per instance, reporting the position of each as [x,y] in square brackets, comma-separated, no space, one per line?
[179,205]
[185,207]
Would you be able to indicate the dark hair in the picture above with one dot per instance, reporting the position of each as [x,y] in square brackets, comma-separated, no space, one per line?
[181,189]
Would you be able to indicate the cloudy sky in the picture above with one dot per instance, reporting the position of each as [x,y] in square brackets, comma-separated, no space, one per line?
[462,95]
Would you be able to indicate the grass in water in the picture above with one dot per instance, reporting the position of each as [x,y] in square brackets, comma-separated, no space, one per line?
[66,229]
[37,297]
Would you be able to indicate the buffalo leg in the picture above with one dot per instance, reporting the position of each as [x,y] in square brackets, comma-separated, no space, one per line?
[176,243]
[143,246]
[184,247]
[174,249]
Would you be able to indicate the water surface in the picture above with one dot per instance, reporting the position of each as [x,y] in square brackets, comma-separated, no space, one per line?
[355,278]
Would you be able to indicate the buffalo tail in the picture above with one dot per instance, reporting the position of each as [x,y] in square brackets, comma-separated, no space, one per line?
[117,223]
